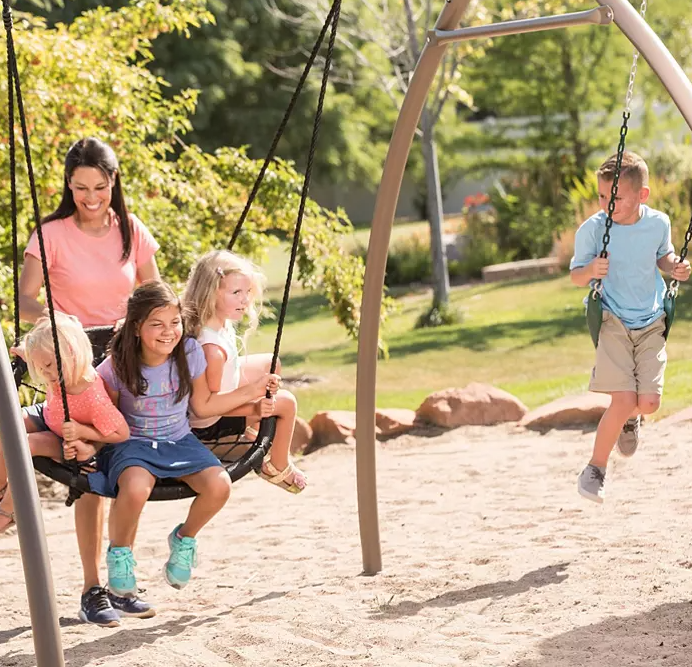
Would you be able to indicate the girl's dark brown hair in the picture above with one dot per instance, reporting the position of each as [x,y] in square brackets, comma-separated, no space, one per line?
[91,152]
[126,346]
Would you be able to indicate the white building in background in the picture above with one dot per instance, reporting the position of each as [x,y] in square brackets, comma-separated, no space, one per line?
[358,202]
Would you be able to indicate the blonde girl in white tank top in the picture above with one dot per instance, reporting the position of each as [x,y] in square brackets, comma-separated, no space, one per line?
[223,290]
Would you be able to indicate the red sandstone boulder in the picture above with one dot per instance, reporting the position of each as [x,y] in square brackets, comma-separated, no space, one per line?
[577,410]
[475,404]
[393,421]
[302,435]
[332,426]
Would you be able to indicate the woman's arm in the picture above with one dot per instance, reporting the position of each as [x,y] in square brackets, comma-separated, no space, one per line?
[30,283]
[148,271]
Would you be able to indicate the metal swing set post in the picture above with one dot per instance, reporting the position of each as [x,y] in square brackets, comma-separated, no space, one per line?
[645,40]
[44,618]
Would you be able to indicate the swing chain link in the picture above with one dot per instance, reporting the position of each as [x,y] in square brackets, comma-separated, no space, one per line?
[614,186]
[598,284]
[674,284]
[630,85]
[633,69]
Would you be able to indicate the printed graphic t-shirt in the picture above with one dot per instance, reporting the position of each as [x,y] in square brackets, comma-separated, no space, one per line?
[156,415]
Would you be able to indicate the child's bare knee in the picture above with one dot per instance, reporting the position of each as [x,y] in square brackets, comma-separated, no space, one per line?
[625,402]
[649,404]
[286,402]
[134,491]
[219,488]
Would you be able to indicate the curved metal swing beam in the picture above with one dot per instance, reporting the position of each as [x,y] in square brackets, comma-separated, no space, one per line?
[668,71]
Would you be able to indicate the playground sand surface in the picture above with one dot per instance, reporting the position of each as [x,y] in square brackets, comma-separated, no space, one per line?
[490,559]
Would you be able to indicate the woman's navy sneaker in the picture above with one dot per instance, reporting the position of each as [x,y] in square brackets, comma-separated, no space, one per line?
[96,608]
[131,606]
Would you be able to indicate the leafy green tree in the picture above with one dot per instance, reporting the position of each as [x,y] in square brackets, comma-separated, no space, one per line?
[385,41]
[91,77]
[238,63]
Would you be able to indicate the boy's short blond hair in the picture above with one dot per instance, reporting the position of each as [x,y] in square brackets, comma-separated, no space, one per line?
[76,353]
[634,169]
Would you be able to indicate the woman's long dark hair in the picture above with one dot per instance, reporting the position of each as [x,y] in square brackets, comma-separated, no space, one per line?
[91,152]
[126,346]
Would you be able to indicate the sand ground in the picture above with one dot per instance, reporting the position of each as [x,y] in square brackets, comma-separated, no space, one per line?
[490,559]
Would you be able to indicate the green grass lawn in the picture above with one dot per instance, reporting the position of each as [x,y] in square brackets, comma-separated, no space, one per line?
[276,262]
[528,337]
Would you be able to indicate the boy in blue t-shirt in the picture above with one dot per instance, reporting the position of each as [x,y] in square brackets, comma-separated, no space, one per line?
[631,352]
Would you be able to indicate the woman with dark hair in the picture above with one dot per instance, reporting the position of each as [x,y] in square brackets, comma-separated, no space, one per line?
[97,252]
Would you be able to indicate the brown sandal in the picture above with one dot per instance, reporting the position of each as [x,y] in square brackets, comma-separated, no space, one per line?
[10,523]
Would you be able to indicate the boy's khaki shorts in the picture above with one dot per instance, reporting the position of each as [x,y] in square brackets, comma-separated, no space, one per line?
[629,359]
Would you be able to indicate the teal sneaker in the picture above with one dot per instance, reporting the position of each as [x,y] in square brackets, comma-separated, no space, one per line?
[121,571]
[183,558]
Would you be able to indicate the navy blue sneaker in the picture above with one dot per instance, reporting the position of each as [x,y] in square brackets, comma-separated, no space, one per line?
[131,606]
[96,608]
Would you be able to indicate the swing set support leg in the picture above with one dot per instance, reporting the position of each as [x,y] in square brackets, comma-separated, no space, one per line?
[368,338]
[673,78]
[32,537]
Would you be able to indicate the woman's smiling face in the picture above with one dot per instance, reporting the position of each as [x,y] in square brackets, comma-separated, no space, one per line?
[91,190]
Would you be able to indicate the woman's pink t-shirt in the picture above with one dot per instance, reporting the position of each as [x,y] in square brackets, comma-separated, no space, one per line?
[88,279]
[93,407]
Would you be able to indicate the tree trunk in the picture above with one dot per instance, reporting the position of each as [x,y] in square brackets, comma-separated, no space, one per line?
[574,105]
[435,213]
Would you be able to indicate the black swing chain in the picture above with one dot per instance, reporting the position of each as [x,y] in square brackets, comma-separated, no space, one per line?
[282,125]
[688,238]
[598,284]
[14,83]
[7,20]
[674,284]
[614,186]
[331,20]
[306,181]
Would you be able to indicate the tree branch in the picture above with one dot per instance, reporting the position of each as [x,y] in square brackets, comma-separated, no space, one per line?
[411,26]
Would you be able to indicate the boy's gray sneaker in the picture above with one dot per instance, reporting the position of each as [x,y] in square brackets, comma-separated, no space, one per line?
[591,483]
[629,437]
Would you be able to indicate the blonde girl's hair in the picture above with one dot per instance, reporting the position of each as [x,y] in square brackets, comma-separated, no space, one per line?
[76,354]
[199,300]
